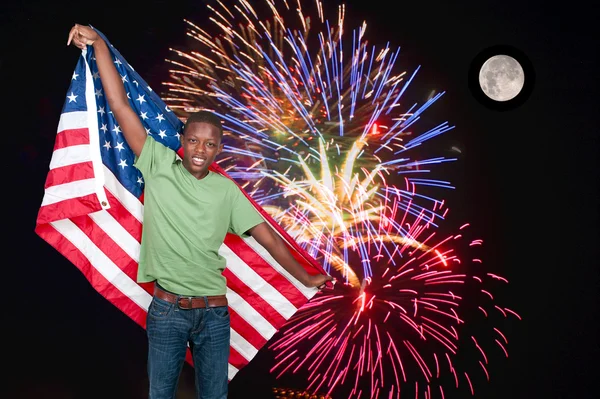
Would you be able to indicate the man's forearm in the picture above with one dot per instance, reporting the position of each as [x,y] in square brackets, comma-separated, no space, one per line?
[282,255]
[111,80]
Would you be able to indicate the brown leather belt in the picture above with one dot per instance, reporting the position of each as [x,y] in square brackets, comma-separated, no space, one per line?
[190,302]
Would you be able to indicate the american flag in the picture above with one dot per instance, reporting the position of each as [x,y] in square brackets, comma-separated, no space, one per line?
[92,213]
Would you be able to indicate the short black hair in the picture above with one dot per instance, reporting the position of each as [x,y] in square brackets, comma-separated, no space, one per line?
[206,117]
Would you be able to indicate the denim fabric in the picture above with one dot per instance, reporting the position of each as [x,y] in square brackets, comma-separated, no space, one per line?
[169,330]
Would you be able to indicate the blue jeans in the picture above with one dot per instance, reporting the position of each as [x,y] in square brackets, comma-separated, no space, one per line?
[169,330]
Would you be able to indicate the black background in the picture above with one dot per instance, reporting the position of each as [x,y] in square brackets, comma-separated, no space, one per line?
[527,181]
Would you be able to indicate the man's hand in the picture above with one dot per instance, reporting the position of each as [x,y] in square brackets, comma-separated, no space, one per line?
[82,36]
[317,280]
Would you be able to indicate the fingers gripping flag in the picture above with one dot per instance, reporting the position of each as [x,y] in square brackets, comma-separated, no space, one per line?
[92,213]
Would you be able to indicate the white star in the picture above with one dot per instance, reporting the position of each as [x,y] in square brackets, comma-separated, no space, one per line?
[141,99]
[122,163]
[107,145]
[72,98]
[140,181]
[119,146]
[162,134]
[167,109]
[96,75]
[74,76]
[117,61]
[144,116]
[135,81]
[160,117]
[149,88]
[177,135]
[124,78]
[147,131]
[101,111]
[116,129]
[99,93]
[104,128]
[128,96]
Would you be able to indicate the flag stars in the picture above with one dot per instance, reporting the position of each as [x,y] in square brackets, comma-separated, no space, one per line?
[162,134]
[95,75]
[144,115]
[141,99]
[123,164]
[101,111]
[140,181]
[177,135]
[119,146]
[160,117]
[128,96]
[147,130]
[107,145]
[99,93]
[104,128]
[72,98]
[116,129]
[136,83]
[149,88]
[118,62]
[74,76]
[124,78]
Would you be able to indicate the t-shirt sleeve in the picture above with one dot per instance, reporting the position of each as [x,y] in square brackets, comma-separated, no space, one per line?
[153,157]
[243,214]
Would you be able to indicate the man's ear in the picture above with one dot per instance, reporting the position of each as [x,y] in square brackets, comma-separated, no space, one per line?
[220,148]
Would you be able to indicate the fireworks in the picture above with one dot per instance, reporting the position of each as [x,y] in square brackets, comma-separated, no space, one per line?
[288,110]
[320,130]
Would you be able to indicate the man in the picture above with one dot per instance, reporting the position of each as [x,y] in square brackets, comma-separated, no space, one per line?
[188,210]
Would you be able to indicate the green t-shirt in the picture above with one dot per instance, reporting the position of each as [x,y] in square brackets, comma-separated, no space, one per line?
[185,223]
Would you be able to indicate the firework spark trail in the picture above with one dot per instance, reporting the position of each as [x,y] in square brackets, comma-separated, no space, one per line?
[319,130]
[397,328]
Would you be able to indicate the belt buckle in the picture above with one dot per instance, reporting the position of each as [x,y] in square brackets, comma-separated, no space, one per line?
[189,302]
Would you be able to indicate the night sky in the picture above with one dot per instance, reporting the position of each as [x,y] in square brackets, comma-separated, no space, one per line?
[527,181]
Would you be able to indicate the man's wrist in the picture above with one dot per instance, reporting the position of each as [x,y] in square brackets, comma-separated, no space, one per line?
[98,42]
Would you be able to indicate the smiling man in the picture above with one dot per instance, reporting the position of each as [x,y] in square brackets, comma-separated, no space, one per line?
[188,210]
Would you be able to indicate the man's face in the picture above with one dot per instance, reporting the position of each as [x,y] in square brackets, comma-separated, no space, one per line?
[201,144]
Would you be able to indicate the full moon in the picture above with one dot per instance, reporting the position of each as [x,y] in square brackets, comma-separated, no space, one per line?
[501,78]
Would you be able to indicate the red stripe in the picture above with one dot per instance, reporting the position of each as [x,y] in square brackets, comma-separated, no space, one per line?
[265,270]
[71,137]
[70,173]
[124,217]
[243,328]
[68,208]
[235,359]
[95,278]
[105,243]
[254,300]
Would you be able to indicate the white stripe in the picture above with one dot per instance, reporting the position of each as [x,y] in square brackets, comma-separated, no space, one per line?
[72,120]
[242,346]
[248,313]
[308,292]
[128,200]
[231,372]
[118,234]
[62,192]
[70,156]
[103,264]
[259,285]
[92,123]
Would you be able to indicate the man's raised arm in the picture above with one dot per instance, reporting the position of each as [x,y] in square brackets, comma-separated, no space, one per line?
[128,120]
